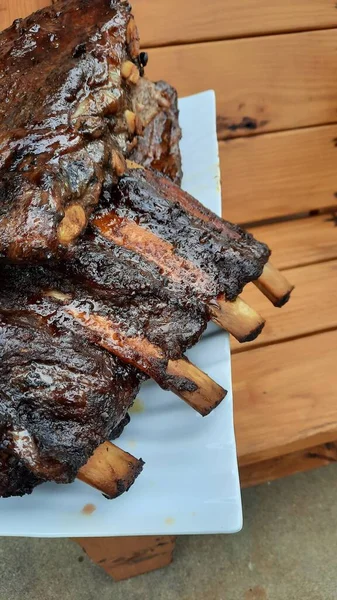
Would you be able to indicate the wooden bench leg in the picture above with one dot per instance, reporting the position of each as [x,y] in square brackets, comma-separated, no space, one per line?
[288,464]
[125,557]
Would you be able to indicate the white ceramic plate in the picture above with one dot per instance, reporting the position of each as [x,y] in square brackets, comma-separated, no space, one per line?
[190,481]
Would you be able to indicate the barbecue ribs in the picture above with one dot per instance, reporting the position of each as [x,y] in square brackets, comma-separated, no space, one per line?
[60,398]
[64,387]
[197,254]
[158,146]
[131,268]
[69,86]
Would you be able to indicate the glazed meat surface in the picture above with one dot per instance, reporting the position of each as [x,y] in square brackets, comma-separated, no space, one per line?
[60,398]
[193,255]
[139,326]
[68,367]
[129,263]
[69,76]
[158,147]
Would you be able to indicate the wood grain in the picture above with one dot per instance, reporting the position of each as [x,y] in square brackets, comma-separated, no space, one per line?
[125,557]
[163,22]
[289,464]
[285,397]
[279,174]
[14,9]
[300,242]
[312,307]
[262,84]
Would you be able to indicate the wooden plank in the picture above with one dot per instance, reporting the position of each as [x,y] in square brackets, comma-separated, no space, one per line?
[279,174]
[289,464]
[125,557]
[164,22]
[312,307]
[262,84]
[300,242]
[285,397]
[14,9]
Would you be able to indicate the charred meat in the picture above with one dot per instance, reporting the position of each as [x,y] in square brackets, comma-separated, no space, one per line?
[69,75]
[141,328]
[109,271]
[195,254]
[72,360]
[60,398]
[158,147]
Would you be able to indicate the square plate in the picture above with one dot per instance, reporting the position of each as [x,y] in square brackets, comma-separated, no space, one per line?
[190,482]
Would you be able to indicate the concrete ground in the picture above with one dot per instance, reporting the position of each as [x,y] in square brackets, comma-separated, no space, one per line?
[286,551]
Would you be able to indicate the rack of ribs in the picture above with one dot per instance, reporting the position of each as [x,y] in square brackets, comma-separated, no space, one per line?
[60,399]
[72,360]
[67,94]
[109,270]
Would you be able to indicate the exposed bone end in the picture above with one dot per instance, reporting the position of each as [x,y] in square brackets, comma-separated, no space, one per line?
[274,286]
[204,394]
[130,118]
[72,224]
[207,395]
[238,318]
[111,470]
[130,72]
[132,38]
[118,163]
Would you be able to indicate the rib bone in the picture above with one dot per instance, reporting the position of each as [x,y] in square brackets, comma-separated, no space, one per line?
[208,395]
[237,317]
[129,235]
[274,286]
[271,283]
[180,376]
[111,470]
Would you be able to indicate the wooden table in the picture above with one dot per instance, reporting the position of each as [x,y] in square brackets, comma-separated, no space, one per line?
[274,69]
